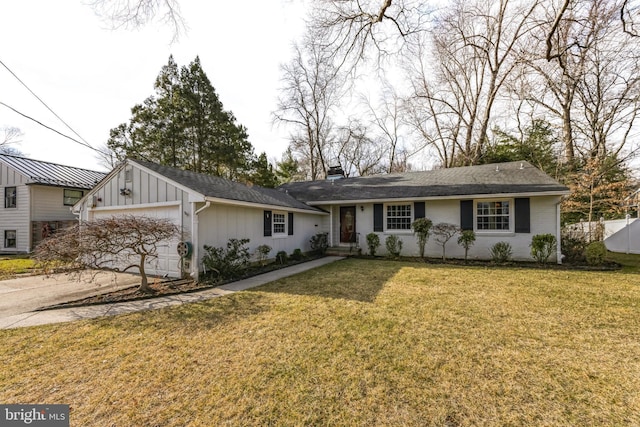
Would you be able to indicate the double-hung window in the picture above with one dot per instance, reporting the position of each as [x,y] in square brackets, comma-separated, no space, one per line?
[399,217]
[10,238]
[493,215]
[279,223]
[10,196]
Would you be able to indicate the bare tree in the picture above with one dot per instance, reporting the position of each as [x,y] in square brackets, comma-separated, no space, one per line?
[356,152]
[442,233]
[10,136]
[311,92]
[132,14]
[117,243]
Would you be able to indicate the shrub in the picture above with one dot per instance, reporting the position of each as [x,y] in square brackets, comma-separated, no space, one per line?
[373,242]
[394,245]
[262,252]
[282,257]
[320,243]
[542,246]
[573,248]
[501,252]
[297,255]
[421,228]
[227,263]
[466,240]
[595,253]
[444,232]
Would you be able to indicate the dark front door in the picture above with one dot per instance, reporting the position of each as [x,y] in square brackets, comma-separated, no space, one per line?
[347,224]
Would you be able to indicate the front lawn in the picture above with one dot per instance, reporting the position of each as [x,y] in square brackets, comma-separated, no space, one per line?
[12,265]
[357,342]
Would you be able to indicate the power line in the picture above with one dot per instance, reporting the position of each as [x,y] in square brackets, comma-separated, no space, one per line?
[83,143]
[86,144]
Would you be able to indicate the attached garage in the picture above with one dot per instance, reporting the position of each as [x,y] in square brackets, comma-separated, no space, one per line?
[169,262]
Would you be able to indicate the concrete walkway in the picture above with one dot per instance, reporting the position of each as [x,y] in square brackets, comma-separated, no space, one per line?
[89,312]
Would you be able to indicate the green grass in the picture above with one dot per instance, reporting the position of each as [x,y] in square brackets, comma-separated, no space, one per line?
[12,265]
[357,342]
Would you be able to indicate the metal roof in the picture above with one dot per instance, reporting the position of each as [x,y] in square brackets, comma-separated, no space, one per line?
[498,178]
[45,173]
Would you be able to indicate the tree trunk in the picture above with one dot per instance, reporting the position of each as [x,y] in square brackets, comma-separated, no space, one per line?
[144,283]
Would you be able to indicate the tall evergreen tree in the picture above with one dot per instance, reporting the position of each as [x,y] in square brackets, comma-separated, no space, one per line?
[185,125]
[263,174]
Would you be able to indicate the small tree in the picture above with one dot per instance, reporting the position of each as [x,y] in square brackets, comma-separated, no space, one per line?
[542,246]
[117,243]
[443,232]
[466,240]
[421,228]
[394,245]
[373,242]
[262,252]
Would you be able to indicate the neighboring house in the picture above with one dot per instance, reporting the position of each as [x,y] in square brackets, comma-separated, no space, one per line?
[504,202]
[38,197]
[210,211]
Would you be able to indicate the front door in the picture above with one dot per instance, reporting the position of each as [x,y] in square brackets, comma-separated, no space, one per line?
[347,224]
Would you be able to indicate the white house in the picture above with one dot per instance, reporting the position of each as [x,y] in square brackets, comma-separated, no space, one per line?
[38,197]
[210,211]
[504,202]
[508,202]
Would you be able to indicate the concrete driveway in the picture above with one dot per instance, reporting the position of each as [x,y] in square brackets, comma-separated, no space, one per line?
[27,294]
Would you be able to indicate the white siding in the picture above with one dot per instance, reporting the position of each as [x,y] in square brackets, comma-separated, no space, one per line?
[542,220]
[15,218]
[219,223]
[48,204]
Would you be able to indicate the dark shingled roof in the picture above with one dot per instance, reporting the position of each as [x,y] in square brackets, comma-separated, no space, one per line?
[498,178]
[213,186]
[45,173]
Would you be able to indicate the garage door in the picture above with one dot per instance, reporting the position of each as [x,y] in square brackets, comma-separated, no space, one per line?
[168,261]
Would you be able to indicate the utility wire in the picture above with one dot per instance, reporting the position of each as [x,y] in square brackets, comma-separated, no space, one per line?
[86,144]
[83,143]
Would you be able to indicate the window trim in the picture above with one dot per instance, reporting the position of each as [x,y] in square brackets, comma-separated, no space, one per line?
[15,239]
[385,221]
[285,224]
[511,228]
[14,197]
[64,197]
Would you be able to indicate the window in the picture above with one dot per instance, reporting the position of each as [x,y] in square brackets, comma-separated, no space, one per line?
[71,197]
[279,223]
[9,238]
[493,215]
[10,197]
[399,217]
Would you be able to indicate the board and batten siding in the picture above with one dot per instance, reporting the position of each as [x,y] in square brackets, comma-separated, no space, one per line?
[220,222]
[15,218]
[542,220]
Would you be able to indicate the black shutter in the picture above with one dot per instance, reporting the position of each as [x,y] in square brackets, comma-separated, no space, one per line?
[378,217]
[466,214]
[523,216]
[267,223]
[418,208]
[290,220]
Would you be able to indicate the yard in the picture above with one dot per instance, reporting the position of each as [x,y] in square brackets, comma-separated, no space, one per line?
[357,342]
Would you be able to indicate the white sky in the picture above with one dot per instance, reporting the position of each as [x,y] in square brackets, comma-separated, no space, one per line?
[91,76]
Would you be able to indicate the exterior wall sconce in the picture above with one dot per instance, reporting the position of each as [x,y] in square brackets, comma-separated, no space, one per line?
[125,192]
[361,208]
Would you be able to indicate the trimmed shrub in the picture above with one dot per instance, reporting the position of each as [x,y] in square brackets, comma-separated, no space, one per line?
[320,243]
[373,242]
[573,248]
[394,245]
[542,246]
[227,263]
[297,255]
[466,240]
[282,257]
[595,253]
[501,252]
[443,233]
[421,228]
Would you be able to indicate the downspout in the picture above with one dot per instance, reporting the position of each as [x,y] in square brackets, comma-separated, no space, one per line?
[195,256]
[558,234]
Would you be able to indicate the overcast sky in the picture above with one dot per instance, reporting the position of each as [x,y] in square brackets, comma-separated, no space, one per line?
[91,75]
